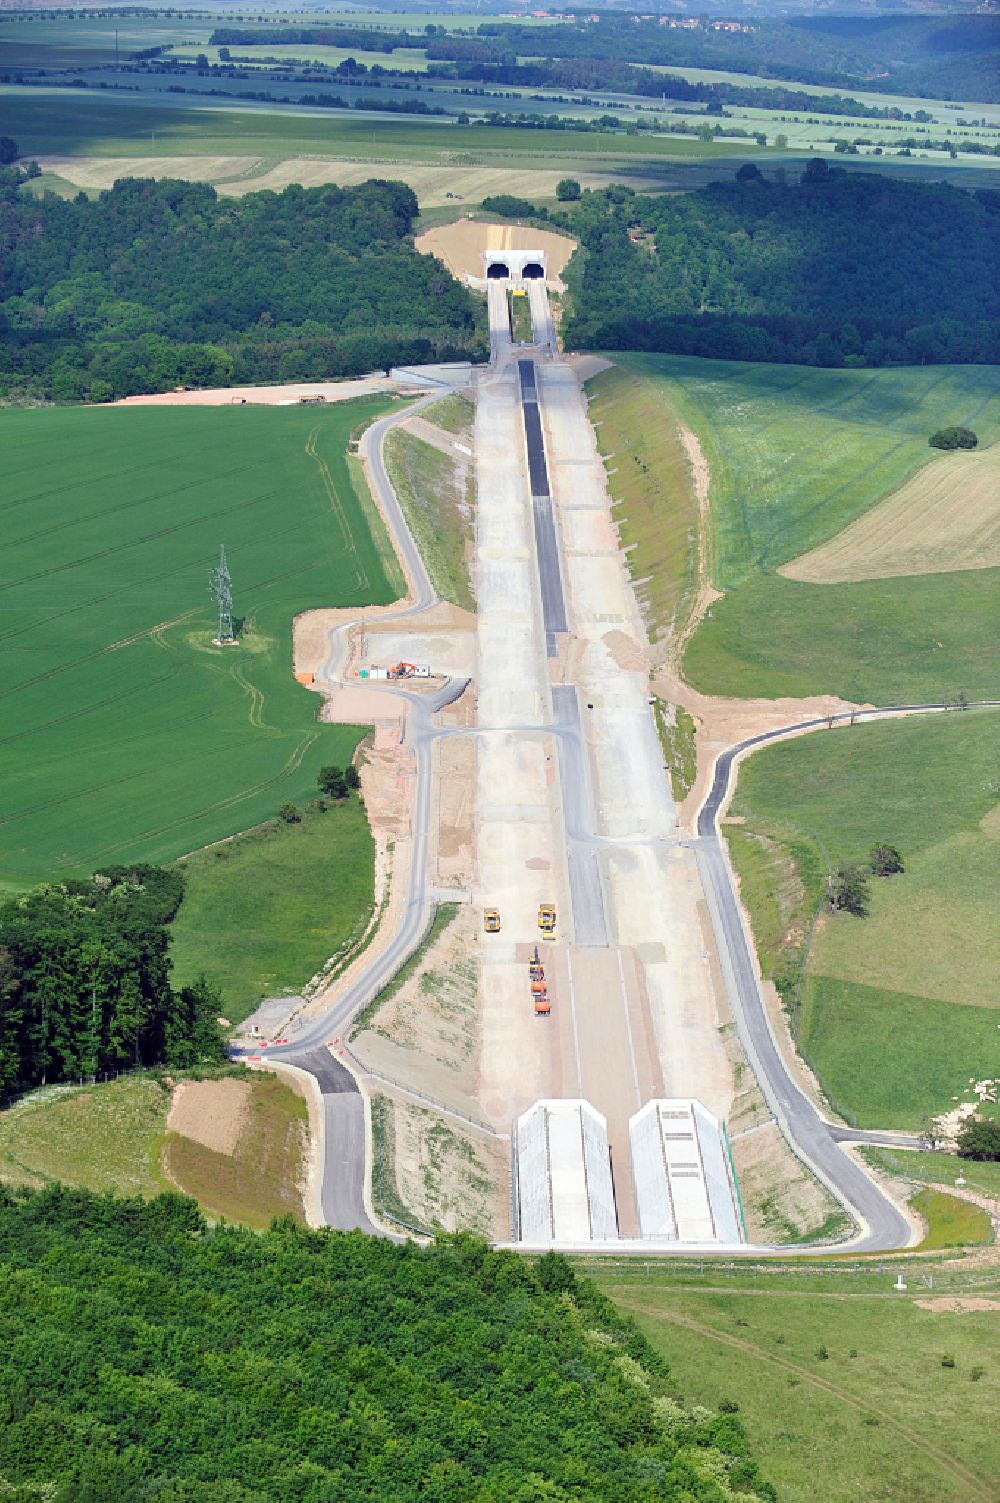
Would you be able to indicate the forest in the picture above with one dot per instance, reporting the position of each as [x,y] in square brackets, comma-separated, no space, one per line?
[148,1355]
[159,284]
[838,269]
[85,982]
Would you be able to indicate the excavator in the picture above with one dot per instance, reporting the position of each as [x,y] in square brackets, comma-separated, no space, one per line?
[403,670]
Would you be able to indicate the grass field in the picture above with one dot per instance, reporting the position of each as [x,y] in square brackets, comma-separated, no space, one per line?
[879,1418]
[126,734]
[264,912]
[96,124]
[897,1010]
[946,517]
[655,506]
[104,1137]
[796,455]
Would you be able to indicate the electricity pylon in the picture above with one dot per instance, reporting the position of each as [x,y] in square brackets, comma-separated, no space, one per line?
[222,589]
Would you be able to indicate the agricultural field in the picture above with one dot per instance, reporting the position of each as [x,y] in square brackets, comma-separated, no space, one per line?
[946,517]
[45,121]
[899,1010]
[303,892]
[835,1375]
[796,455]
[127,734]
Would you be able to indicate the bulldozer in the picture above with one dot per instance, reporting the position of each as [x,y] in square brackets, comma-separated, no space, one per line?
[547,920]
[491,920]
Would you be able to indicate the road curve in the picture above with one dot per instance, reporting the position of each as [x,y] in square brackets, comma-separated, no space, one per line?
[344,1156]
[812,1137]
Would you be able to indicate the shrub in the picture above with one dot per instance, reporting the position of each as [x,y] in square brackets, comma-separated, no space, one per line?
[979,1138]
[953,438]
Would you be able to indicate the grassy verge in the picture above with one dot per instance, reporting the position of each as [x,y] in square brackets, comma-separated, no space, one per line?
[839,1381]
[676,728]
[262,1178]
[520,318]
[951,1222]
[103,1137]
[385,1191]
[263,913]
[654,503]
[443,916]
[935,1168]
[454,413]
[895,1011]
[795,455]
[435,492]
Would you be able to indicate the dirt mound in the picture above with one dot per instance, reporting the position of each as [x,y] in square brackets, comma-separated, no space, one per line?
[946,517]
[461,245]
[210,1112]
[951,1304]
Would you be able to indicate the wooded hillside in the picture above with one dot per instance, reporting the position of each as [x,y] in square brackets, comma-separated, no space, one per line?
[155,284]
[842,268]
[145,1355]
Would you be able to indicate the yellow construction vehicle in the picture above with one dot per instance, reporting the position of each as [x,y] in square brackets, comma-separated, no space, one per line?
[547,919]
[491,920]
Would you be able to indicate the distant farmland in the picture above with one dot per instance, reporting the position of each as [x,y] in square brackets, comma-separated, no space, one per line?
[124,734]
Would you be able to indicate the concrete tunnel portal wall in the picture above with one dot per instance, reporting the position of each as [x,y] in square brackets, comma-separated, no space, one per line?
[516,267]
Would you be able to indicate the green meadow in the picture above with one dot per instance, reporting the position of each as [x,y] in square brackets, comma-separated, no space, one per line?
[98,124]
[840,1381]
[898,1010]
[124,733]
[795,455]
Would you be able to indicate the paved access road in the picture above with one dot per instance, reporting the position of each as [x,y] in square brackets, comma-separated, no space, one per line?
[811,1136]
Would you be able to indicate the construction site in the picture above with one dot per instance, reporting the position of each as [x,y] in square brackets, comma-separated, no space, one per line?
[561,1063]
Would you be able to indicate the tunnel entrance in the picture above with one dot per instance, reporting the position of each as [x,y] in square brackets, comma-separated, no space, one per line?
[531,271]
[498,271]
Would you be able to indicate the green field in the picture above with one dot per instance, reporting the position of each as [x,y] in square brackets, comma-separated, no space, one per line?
[263,913]
[126,734]
[880,1418]
[104,1137]
[795,454]
[95,124]
[899,1009]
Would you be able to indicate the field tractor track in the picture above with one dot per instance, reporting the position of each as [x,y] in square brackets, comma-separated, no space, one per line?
[291,765]
[336,506]
[943,1459]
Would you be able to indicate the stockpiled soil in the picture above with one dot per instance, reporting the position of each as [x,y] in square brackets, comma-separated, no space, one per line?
[124,734]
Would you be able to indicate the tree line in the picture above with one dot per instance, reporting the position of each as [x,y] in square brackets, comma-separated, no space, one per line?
[146,1355]
[85,982]
[158,284]
[833,269]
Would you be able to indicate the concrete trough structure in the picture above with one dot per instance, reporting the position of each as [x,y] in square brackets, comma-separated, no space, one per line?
[565,1193]
[684,1187]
